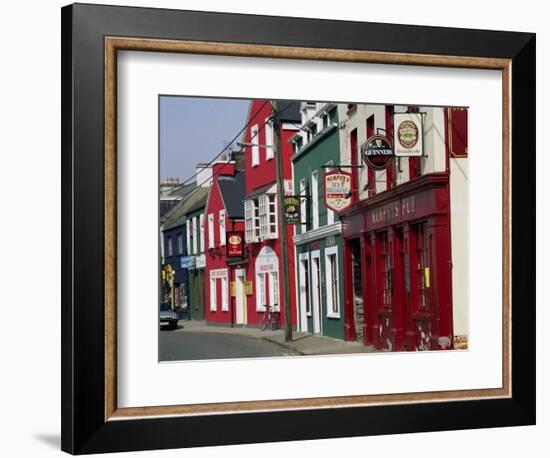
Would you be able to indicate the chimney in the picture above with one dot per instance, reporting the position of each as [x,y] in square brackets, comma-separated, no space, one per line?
[223,168]
[204,175]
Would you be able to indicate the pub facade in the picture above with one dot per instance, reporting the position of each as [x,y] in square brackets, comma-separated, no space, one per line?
[404,265]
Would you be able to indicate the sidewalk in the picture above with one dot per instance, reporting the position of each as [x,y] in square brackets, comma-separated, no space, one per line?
[302,343]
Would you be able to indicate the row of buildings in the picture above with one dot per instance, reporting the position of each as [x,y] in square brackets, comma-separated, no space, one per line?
[380,262]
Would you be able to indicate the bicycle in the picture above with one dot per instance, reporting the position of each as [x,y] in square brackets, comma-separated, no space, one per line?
[271,318]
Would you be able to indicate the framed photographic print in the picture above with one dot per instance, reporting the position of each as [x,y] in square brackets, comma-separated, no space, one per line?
[272,221]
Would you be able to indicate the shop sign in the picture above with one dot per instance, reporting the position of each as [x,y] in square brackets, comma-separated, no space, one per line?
[337,190]
[457,128]
[200,262]
[292,209]
[187,262]
[394,211]
[377,152]
[218,273]
[408,134]
[330,241]
[234,244]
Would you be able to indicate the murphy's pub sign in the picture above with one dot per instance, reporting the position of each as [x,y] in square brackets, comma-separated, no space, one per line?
[337,186]
[393,212]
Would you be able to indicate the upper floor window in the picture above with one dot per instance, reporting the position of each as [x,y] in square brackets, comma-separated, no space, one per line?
[211,230]
[180,243]
[255,147]
[315,199]
[170,246]
[260,218]
[303,205]
[191,235]
[330,213]
[268,216]
[249,220]
[269,140]
[188,235]
[222,227]
[194,231]
[201,230]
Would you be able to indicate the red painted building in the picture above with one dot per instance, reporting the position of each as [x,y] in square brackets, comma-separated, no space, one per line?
[262,265]
[405,265]
[223,214]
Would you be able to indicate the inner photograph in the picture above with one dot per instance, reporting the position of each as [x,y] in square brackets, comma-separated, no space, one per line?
[299,228]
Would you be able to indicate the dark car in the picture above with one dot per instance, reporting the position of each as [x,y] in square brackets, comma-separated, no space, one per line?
[168,318]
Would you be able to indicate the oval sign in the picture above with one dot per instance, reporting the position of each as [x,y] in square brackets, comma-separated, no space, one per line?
[377,152]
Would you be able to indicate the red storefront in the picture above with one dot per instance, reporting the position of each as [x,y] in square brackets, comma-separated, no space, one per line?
[398,245]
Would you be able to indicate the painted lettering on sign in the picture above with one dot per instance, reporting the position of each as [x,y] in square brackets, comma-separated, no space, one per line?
[337,186]
[393,211]
[408,132]
[235,243]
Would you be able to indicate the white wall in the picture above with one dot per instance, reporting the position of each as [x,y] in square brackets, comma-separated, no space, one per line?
[459,244]
[30,146]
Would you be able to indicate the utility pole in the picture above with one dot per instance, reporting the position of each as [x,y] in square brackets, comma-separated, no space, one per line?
[278,151]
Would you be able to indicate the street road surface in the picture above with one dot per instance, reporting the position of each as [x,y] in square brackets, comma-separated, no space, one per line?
[183,345]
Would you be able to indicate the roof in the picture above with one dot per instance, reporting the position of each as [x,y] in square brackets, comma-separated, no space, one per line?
[178,215]
[166,206]
[291,111]
[259,191]
[183,189]
[232,190]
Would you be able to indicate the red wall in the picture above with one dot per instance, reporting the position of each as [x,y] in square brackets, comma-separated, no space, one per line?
[256,177]
[265,172]
[217,259]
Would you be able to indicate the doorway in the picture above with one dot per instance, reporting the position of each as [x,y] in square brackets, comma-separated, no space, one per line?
[240,297]
[316,291]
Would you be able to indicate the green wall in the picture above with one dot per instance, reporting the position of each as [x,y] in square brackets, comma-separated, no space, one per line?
[323,149]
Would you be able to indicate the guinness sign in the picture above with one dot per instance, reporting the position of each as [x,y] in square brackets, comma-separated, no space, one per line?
[377,152]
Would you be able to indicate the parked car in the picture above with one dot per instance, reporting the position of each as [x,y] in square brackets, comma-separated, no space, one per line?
[168,318]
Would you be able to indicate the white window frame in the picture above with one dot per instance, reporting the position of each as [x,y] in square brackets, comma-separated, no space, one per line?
[315,199]
[249,220]
[188,235]
[274,296]
[180,244]
[195,234]
[170,246]
[201,229]
[269,140]
[330,213]
[213,298]
[303,205]
[255,148]
[332,251]
[222,221]
[303,278]
[267,208]
[225,294]
[260,292]
[211,230]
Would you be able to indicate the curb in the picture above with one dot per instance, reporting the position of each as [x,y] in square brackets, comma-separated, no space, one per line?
[284,345]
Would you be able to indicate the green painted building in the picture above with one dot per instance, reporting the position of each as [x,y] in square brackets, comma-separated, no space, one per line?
[318,239]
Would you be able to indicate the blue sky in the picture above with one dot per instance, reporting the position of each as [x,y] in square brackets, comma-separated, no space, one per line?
[195,129]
